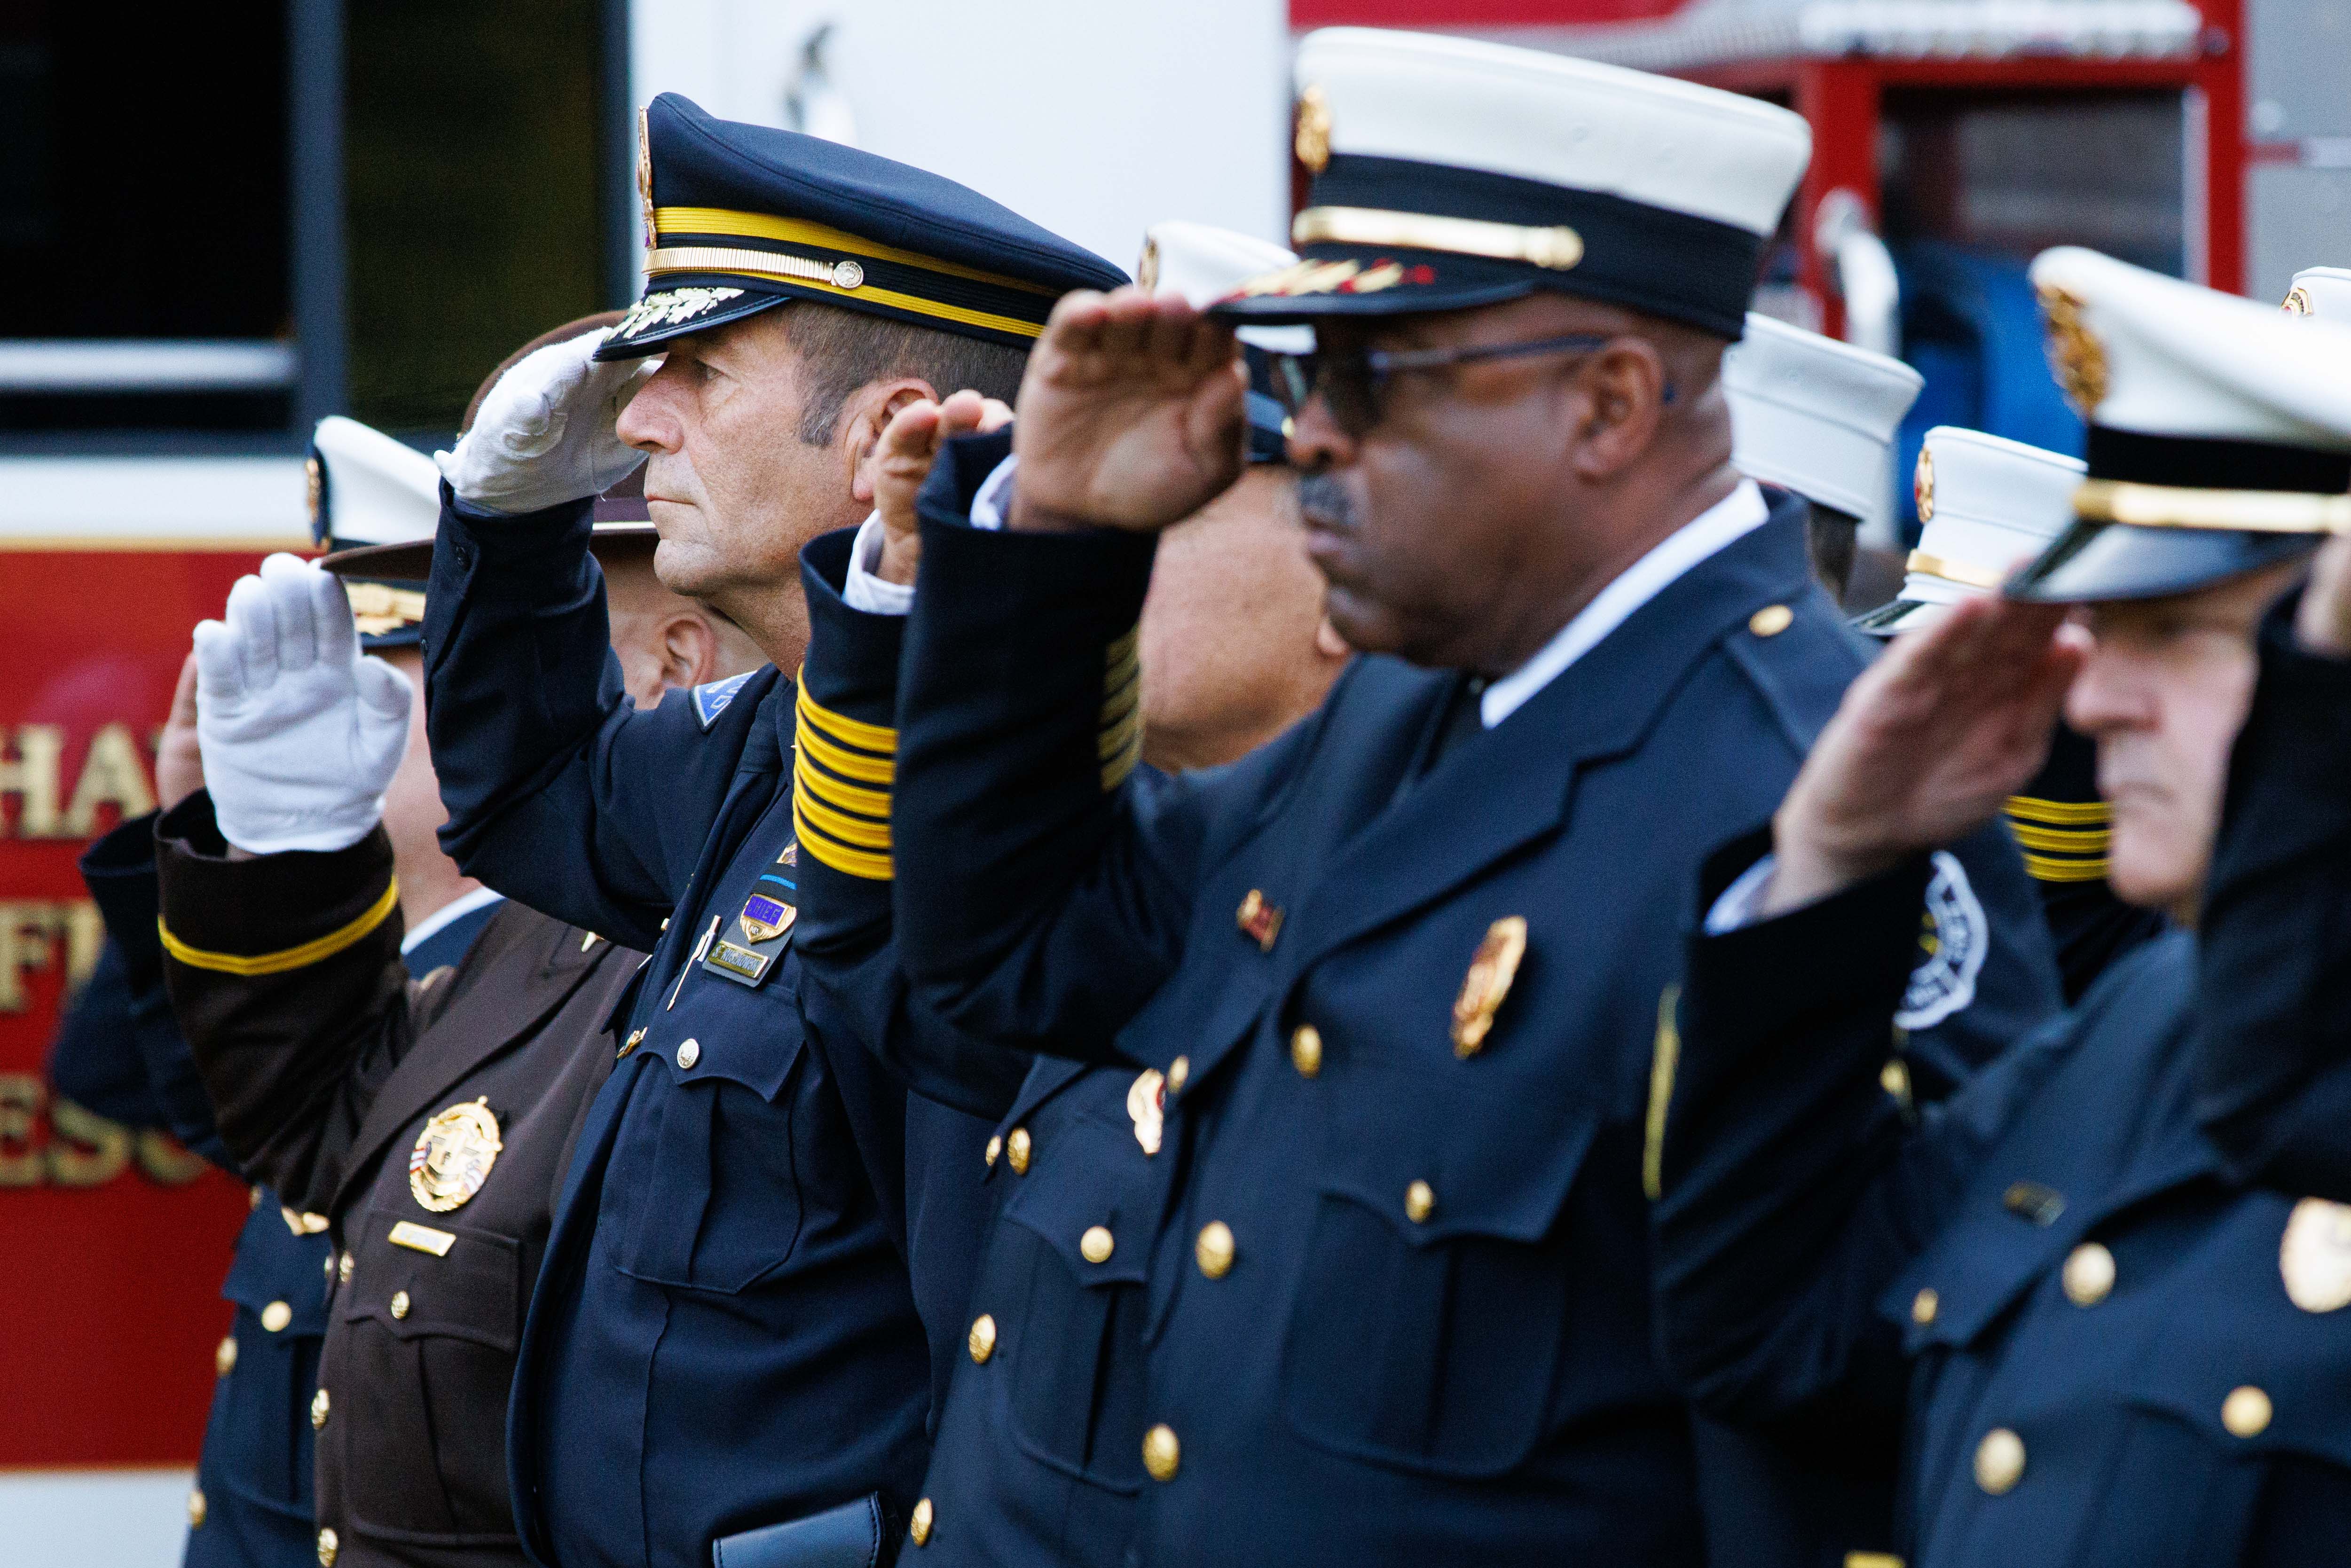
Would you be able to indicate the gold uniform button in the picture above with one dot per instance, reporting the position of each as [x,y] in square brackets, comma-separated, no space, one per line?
[253,1199]
[995,1147]
[2000,1461]
[2246,1412]
[196,1508]
[1015,1150]
[689,1053]
[329,1545]
[1178,1072]
[1306,1049]
[983,1338]
[1771,620]
[275,1316]
[329,1261]
[1419,1202]
[1923,1307]
[225,1356]
[1895,1079]
[1214,1250]
[343,1270]
[1095,1245]
[1162,1453]
[318,1411]
[400,1303]
[2088,1275]
[918,1523]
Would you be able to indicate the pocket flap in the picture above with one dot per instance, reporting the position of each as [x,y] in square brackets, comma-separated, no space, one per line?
[1091,1196]
[747,1037]
[1975,1269]
[472,1290]
[274,1265]
[1441,1160]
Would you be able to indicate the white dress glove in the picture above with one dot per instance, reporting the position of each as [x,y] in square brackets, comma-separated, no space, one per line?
[300,734]
[546,434]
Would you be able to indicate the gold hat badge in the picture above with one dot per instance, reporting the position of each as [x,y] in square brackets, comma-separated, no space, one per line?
[1483,990]
[1313,144]
[453,1156]
[2075,354]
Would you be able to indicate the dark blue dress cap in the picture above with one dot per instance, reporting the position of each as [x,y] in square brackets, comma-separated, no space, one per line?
[741,217]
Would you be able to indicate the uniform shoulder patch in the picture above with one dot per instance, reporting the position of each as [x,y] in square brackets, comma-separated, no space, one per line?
[1955,938]
[711,698]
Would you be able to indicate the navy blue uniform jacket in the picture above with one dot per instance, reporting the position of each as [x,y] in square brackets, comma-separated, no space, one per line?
[2117,1346]
[723,1335]
[1432,1343]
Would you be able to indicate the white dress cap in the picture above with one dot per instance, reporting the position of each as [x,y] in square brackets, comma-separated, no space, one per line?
[2141,353]
[1201,262]
[1204,263]
[1990,506]
[2321,291]
[370,488]
[1816,416]
[1551,118]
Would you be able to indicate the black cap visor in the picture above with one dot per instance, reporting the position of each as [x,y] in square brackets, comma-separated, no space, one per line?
[2092,563]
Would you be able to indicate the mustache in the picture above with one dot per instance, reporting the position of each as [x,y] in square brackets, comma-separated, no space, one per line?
[1322,497]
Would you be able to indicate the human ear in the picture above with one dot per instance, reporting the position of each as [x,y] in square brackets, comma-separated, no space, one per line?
[861,426]
[688,651]
[1624,386]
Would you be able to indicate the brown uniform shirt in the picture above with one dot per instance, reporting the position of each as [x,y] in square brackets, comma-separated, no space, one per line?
[431,1122]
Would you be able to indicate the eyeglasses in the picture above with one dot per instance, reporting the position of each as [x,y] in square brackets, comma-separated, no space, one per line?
[1352,382]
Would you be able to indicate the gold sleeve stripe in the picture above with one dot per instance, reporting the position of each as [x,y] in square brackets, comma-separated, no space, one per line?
[2043,869]
[1124,646]
[279,962]
[800,231]
[1121,703]
[849,830]
[846,730]
[840,857]
[848,764]
[1662,1066]
[2061,813]
[834,793]
[2073,841]
[1118,737]
[1115,771]
[1120,672]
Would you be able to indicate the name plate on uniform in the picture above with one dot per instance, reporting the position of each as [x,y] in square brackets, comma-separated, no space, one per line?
[422,1238]
[746,953]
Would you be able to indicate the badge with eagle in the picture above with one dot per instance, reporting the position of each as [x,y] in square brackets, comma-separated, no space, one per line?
[453,1156]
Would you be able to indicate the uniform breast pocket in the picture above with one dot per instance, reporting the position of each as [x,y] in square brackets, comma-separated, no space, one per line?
[702,1184]
[1063,1289]
[431,1356]
[1429,1315]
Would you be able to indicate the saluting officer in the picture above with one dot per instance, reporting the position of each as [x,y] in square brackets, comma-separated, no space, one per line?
[2124,1346]
[1988,504]
[1401,969]
[723,1348]
[1035,1462]
[431,1122]
[1818,417]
